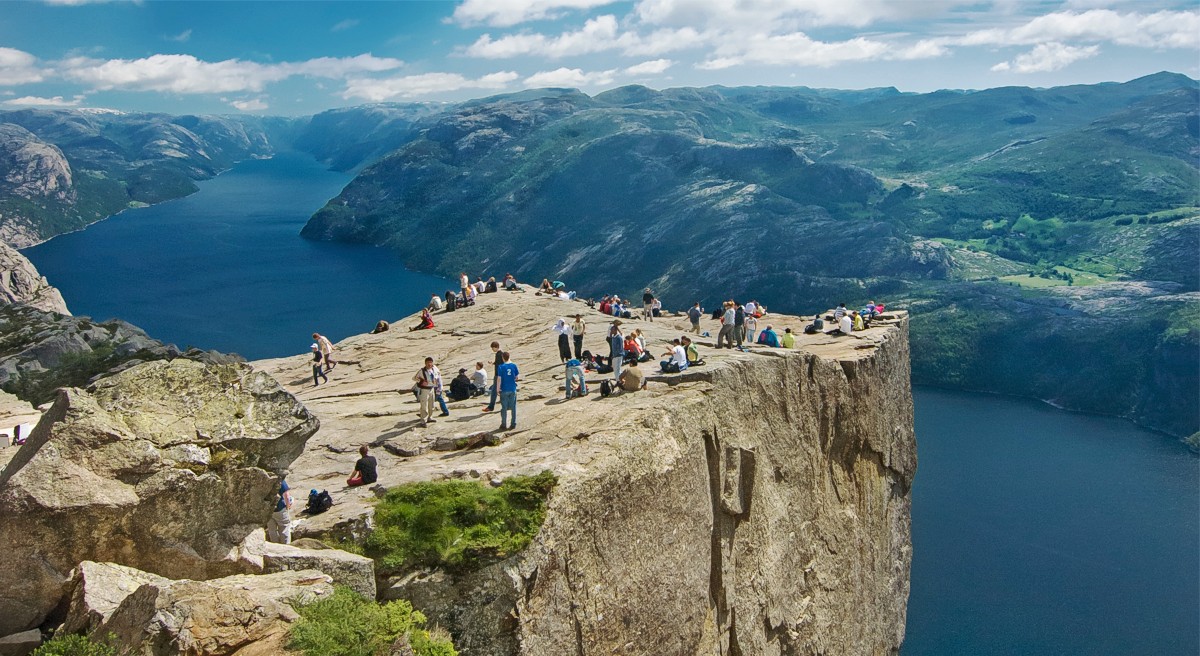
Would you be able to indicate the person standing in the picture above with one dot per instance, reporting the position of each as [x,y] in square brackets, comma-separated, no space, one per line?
[725,337]
[564,340]
[439,394]
[694,313]
[575,378]
[498,360]
[616,348]
[316,365]
[326,350]
[739,325]
[464,283]
[578,328]
[427,380]
[279,528]
[507,376]
[648,304]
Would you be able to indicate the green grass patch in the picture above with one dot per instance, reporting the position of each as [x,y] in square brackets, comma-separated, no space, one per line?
[74,645]
[457,524]
[346,624]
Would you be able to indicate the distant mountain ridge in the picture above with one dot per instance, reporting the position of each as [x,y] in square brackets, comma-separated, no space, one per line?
[976,209]
[803,197]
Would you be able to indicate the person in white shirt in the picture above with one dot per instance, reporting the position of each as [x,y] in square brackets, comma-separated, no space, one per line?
[464,283]
[435,303]
[479,379]
[751,308]
[677,358]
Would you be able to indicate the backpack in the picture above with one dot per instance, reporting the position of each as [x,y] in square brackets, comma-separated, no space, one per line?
[606,388]
[318,502]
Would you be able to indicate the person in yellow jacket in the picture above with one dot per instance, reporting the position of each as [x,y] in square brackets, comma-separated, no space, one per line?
[788,340]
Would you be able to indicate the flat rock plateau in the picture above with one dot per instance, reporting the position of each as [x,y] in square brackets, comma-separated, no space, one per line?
[758,504]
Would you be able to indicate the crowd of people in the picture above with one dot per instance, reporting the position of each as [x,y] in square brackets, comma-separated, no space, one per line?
[626,351]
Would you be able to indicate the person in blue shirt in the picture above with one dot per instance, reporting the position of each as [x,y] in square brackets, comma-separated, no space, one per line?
[279,529]
[506,380]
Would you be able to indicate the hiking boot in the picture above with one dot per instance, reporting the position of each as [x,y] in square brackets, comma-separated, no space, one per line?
[444,414]
[503,427]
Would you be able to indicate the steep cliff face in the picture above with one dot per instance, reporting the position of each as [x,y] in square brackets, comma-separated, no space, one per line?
[767,512]
[35,173]
[758,504]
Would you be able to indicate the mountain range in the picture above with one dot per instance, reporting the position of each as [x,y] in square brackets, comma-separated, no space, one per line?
[1046,240]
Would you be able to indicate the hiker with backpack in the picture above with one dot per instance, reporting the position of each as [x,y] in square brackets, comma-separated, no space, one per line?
[364,469]
[427,379]
[279,527]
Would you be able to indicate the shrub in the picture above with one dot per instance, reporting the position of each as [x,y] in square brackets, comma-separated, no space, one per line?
[74,645]
[457,524]
[346,624]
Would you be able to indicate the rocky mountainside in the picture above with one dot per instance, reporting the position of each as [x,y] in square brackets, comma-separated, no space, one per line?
[20,282]
[64,169]
[170,468]
[758,504]
[804,197]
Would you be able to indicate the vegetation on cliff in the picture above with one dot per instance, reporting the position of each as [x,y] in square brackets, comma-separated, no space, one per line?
[346,624]
[457,524]
[74,645]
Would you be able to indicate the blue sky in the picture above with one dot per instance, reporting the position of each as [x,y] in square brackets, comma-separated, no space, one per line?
[293,58]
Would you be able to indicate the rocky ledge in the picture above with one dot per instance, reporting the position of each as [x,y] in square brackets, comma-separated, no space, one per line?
[759,504]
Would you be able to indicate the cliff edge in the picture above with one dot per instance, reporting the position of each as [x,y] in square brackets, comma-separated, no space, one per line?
[759,504]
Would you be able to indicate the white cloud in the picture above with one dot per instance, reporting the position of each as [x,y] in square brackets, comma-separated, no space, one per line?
[413,86]
[598,34]
[652,67]
[795,49]
[1161,29]
[505,13]
[187,74]
[1047,57]
[252,105]
[341,26]
[19,67]
[182,37]
[35,101]
[570,77]
[785,15]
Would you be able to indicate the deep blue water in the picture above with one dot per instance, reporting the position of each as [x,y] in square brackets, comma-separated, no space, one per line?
[1035,531]
[1038,531]
[226,269]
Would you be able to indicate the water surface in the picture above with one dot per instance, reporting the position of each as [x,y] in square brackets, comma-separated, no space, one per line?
[226,269]
[1038,531]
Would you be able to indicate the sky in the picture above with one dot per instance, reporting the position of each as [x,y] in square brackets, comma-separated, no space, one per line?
[298,58]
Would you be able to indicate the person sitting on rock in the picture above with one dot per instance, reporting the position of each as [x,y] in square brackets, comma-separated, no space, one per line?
[845,327]
[769,338]
[788,340]
[460,387]
[381,327]
[451,300]
[435,303]
[510,283]
[364,469]
[426,321]
[632,379]
[693,354]
[857,321]
[815,327]
[479,380]
[546,287]
[676,359]
[490,287]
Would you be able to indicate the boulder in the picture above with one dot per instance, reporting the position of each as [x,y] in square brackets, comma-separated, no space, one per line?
[20,282]
[118,475]
[97,589]
[20,644]
[237,614]
[351,570]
